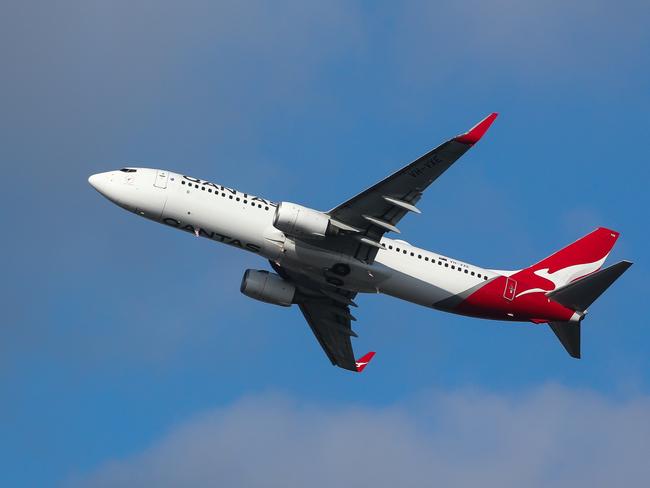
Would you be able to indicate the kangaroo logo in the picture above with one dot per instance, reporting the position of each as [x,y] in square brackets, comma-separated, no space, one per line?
[565,275]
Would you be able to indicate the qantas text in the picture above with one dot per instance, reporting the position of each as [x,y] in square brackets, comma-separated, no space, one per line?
[212,235]
[232,191]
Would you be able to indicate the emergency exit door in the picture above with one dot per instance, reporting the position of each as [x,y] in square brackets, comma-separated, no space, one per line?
[161,179]
[510,289]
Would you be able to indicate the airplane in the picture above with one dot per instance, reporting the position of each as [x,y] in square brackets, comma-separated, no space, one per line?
[322,260]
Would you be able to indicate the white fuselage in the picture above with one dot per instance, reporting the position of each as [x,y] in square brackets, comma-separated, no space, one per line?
[245,221]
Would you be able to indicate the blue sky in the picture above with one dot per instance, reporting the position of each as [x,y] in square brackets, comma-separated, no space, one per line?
[127,354]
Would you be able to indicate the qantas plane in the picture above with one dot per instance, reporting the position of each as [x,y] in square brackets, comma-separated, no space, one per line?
[322,260]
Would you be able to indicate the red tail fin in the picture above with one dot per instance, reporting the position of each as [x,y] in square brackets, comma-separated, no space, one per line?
[363,361]
[583,257]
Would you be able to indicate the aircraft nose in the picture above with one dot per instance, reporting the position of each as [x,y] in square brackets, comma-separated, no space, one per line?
[103,183]
[94,180]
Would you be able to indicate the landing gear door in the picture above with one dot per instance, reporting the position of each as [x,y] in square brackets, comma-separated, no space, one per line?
[161,178]
[510,289]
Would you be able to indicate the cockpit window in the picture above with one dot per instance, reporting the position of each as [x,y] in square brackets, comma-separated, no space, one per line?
[128,170]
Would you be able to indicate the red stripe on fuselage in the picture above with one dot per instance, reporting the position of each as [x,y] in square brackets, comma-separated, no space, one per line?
[490,302]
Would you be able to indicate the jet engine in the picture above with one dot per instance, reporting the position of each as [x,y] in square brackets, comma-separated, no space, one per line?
[298,221]
[267,287]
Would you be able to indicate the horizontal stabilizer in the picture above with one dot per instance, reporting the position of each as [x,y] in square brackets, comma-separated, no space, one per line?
[569,335]
[579,295]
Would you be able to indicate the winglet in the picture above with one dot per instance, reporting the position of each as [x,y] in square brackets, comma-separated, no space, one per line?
[473,135]
[363,361]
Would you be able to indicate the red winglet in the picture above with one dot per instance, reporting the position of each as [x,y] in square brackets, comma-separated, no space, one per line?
[363,361]
[475,133]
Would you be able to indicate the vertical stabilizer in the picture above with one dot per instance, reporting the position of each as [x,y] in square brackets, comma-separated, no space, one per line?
[583,257]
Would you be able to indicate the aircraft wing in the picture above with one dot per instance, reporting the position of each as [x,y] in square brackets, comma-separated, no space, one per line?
[332,329]
[367,216]
[328,314]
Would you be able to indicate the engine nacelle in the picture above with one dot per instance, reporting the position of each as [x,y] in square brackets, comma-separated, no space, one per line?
[267,287]
[298,221]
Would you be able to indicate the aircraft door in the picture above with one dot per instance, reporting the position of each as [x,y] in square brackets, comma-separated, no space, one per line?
[161,179]
[510,289]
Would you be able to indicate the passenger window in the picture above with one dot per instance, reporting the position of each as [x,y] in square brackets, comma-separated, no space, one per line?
[447,265]
[426,258]
[453,267]
[466,271]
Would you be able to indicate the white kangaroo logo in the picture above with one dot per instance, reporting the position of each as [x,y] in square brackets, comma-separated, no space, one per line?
[565,275]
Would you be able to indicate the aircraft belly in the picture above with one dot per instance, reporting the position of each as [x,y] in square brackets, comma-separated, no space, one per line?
[412,289]
[323,266]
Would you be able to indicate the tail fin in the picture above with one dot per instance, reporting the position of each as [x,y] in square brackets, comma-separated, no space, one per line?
[583,257]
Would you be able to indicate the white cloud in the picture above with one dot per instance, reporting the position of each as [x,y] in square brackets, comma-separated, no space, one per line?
[551,436]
